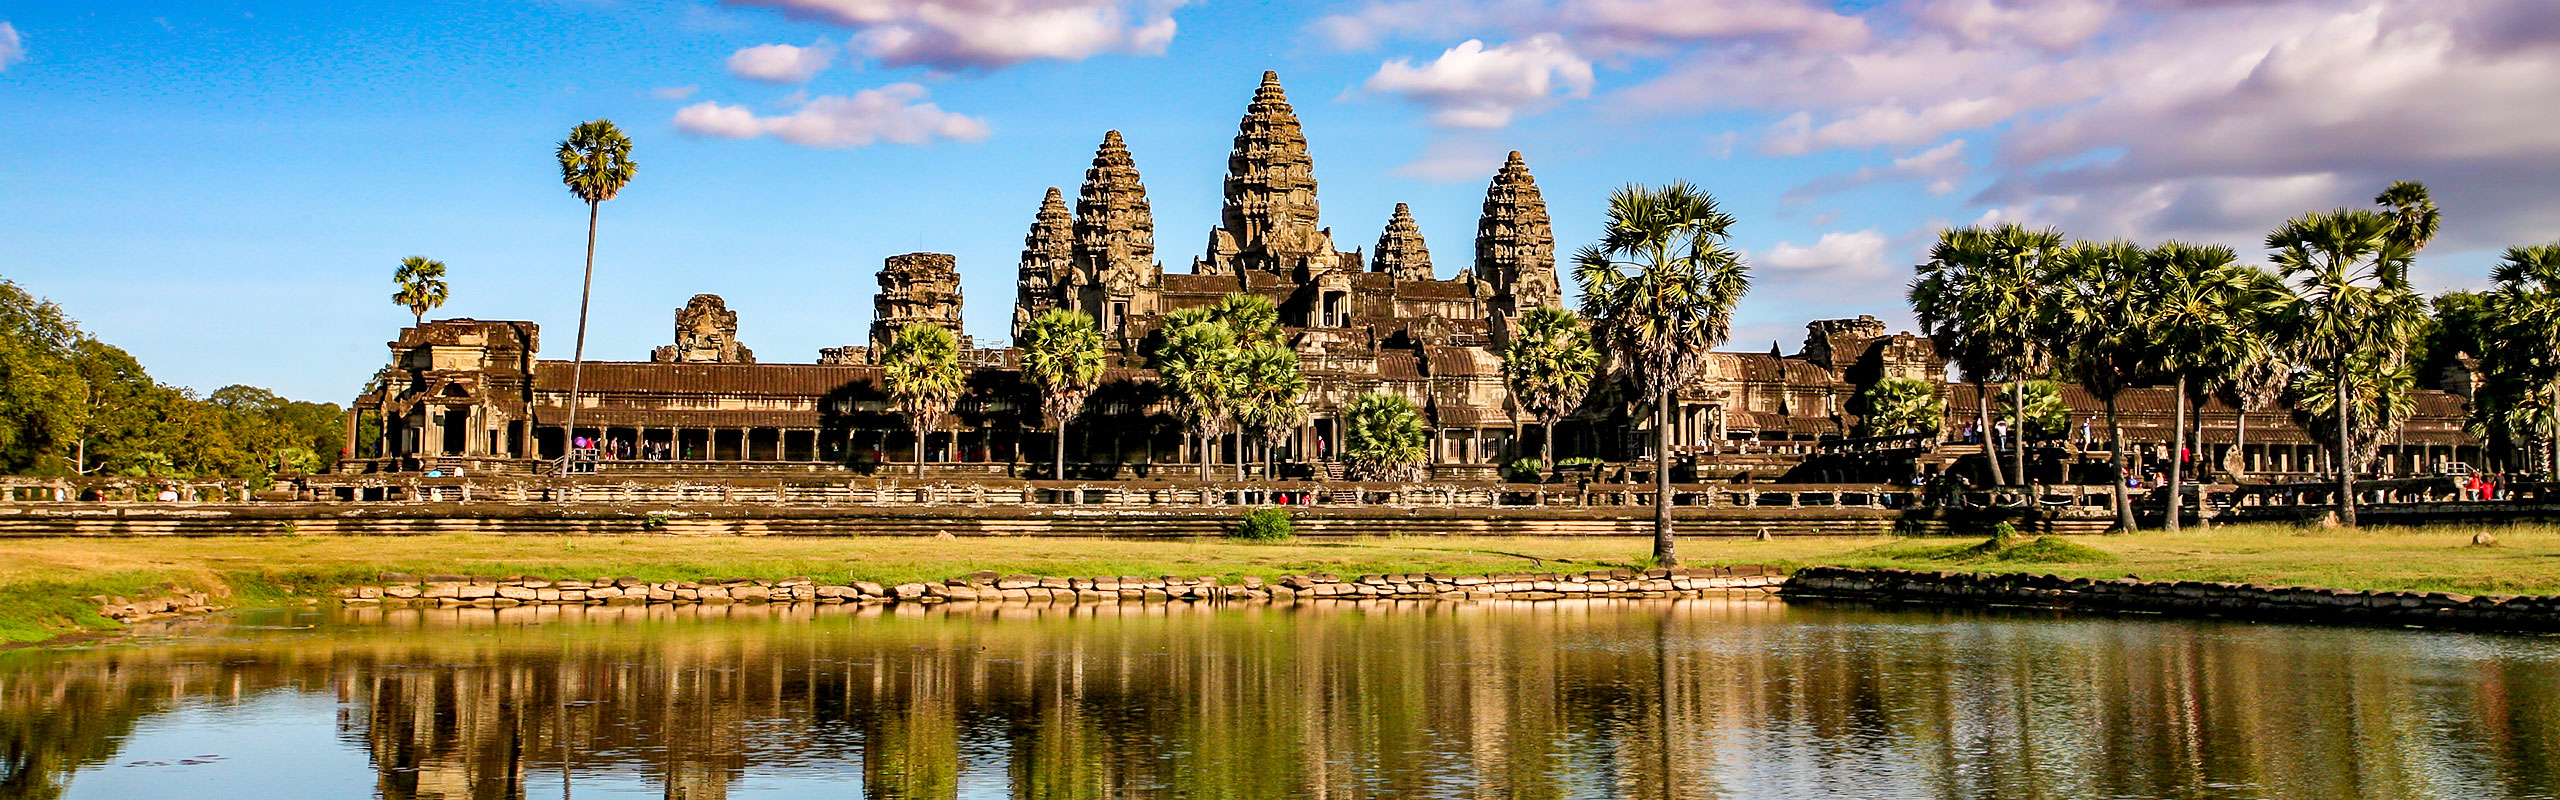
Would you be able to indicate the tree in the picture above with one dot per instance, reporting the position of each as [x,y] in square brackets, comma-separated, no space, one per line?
[2099,291]
[2046,415]
[422,288]
[1196,365]
[1253,318]
[1271,396]
[920,369]
[1062,353]
[2352,307]
[2201,307]
[41,408]
[595,163]
[1898,406]
[1548,364]
[1979,296]
[1383,438]
[2524,330]
[1661,286]
[2414,218]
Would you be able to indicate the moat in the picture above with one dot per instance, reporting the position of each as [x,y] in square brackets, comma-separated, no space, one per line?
[1714,697]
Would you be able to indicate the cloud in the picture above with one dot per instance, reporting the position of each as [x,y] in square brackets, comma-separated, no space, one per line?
[1858,256]
[1601,26]
[1456,159]
[1473,86]
[957,35]
[12,48]
[674,92]
[781,63]
[895,113]
[1939,168]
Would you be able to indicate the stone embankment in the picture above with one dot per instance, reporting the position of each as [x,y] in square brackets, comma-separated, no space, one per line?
[2182,598]
[488,592]
[150,608]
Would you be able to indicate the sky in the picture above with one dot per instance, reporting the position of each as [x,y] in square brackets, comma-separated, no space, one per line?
[225,187]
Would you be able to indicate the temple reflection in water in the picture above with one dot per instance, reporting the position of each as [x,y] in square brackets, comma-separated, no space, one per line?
[1602,699]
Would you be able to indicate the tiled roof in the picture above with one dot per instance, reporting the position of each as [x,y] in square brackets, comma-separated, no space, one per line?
[1460,361]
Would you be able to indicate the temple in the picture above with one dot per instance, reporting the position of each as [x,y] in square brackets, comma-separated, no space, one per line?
[472,394]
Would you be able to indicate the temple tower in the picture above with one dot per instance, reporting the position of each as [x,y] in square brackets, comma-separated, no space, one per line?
[1268,221]
[1515,247]
[1048,255]
[1114,259]
[1401,252]
[916,288]
[706,333]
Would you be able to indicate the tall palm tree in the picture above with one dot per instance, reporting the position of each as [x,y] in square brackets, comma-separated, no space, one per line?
[422,288]
[1952,297]
[920,370]
[1253,318]
[2262,372]
[1062,353]
[2524,314]
[595,163]
[1548,364]
[1196,365]
[2349,271]
[2414,218]
[1271,397]
[2199,321]
[2098,304]
[1660,287]
[2021,268]
[1383,437]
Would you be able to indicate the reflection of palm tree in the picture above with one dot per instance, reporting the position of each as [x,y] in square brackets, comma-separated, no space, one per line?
[921,372]
[1660,287]
[1062,353]
[595,163]
[1549,364]
[422,287]
[2351,300]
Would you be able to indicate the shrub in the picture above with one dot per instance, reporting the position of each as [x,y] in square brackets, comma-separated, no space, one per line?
[1266,524]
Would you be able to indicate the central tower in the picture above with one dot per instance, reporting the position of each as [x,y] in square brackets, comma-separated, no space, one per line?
[1269,220]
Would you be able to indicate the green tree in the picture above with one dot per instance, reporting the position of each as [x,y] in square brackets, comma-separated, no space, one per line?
[920,370]
[2352,308]
[1898,406]
[1253,318]
[1982,290]
[1383,438]
[1062,353]
[1271,396]
[422,287]
[2100,288]
[1661,286]
[2203,306]
[1196,366]
[2414,218]
[595,163]
[1548,364]
[2265,369]
[2046,417]
[41,394]
[2524,331]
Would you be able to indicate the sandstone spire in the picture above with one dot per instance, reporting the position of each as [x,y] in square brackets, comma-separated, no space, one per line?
[1115,232]
[1515,248]
[1048,253]
[1268,221]
[1401,252]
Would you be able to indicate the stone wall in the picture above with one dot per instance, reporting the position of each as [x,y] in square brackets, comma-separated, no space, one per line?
[2182,598]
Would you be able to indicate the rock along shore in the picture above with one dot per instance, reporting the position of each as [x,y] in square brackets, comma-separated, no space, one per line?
[2250,601]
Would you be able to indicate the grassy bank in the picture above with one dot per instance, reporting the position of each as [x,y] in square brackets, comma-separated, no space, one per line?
[44,583]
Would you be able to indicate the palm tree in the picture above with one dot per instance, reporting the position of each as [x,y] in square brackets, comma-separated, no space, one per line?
[1062,353]
[2200,317]
[920,369]
[1896,406]
[1253,318]
[2264,370]
[1548,364]
[2524,314]
[421,282]
[1661,287]
[1272,397]
[595,163]
[1196,365]
[1383,438]
[1950,297]
[2414,217]
[2100,289]
[2351,299]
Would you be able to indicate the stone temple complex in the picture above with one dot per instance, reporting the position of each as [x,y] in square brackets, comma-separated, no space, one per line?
[463,391]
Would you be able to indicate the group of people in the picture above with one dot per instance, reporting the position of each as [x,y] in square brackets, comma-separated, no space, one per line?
[2483,486]
[621,449]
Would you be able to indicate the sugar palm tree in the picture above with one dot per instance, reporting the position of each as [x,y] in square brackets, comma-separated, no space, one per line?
[2524,314]
[1548,364]
[1383,437]
[920,370]
[2097,304]
[2264,370]
[1950,298]
[1253,318]
[1271,397]
[1063,355]
[2414,217]
[595,163]
[1660,287]
[422,288]
[2200,313]
[1196,365]
[2351,299]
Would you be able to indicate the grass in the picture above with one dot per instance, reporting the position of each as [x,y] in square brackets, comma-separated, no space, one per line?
[45,583]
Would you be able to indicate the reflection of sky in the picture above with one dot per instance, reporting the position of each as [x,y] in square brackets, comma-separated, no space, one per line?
[271,745]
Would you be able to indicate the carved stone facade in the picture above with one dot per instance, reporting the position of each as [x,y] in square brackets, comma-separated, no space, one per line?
[1515,246]
[916,288]
[1269,222]
[1114,273]
[1048,261]
[706,333]
[1401,252]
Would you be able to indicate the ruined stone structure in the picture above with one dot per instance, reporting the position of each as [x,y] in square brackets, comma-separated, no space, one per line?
[916,288]
[1112,269]
[1048,262]
[1515,247]
[706,333]
[1401,253]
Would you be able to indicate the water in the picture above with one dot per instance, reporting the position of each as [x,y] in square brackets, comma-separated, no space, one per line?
[1739,698]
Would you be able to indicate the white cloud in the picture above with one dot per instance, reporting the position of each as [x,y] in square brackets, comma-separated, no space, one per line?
[674,92]
[1473,86]
[12,48]
[1603,26]
[1938,168]
[781,63]
[1835,256]
[895,113]
[981,34]
[1458,158]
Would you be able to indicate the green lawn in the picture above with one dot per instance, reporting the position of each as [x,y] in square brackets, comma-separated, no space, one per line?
[44,583]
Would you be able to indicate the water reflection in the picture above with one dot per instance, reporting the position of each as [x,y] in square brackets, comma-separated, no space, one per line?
[1654,699]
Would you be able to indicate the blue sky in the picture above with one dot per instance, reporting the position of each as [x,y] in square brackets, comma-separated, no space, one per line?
[225,187]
